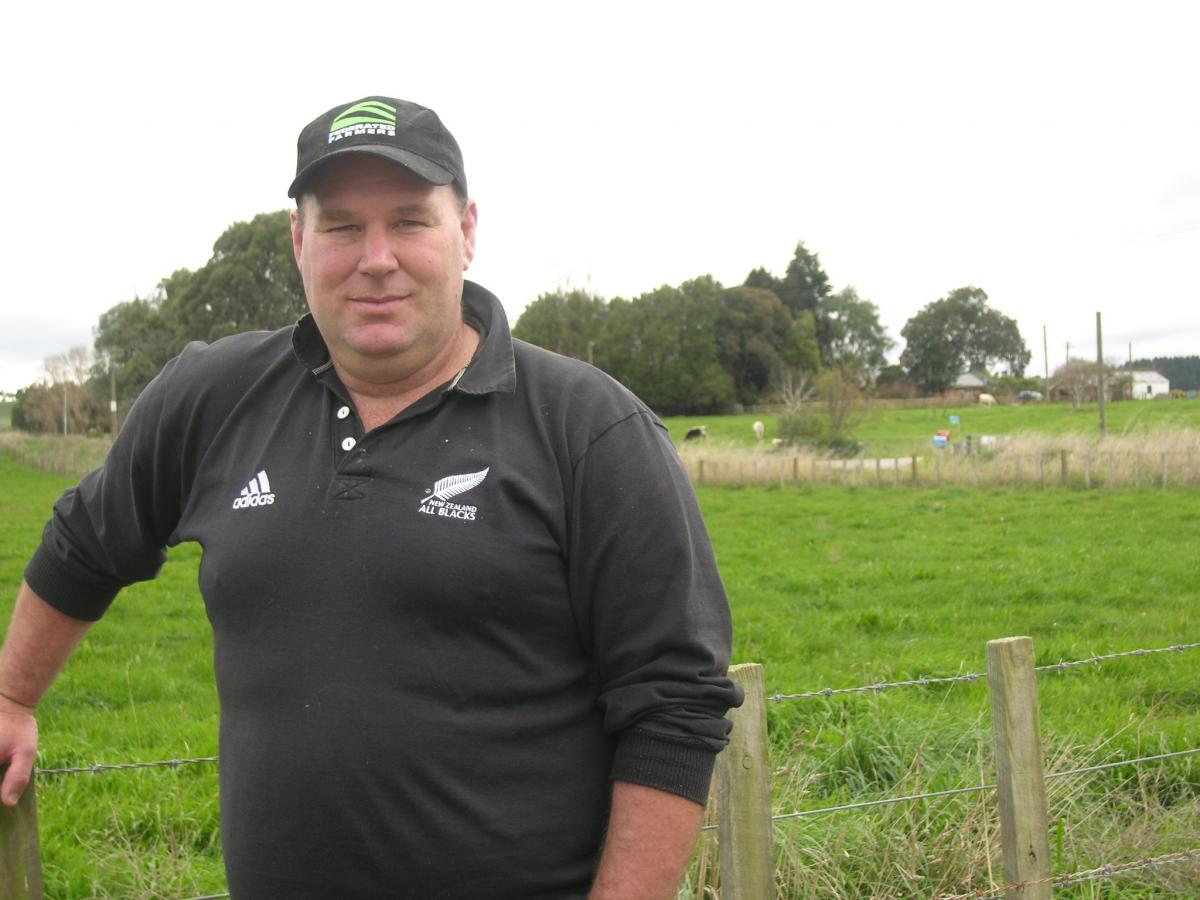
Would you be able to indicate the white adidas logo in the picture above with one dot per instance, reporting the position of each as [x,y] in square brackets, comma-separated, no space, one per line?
[256,493]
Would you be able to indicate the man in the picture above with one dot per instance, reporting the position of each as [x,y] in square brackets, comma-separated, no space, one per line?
[470,638]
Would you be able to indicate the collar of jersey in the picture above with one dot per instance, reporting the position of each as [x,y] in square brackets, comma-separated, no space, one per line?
[492,368]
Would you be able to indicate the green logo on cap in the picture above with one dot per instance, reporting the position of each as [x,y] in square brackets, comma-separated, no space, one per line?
[369,112]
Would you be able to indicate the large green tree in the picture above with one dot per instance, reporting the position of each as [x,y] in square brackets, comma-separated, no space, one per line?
[752,333]
[662,346]
[137,338]
[805,283]
[957,333]
[569,323]
[853,337]
[251,282]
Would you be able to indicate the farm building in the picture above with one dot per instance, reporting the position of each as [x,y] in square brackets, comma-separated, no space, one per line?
[966,387]
[1148,385]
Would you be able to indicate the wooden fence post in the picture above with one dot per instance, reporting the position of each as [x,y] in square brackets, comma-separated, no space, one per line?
[1016,735]
[744,828]
[1063,458]
[20,856]
[914,469]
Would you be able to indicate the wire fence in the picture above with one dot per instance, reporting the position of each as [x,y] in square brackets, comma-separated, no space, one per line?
[1061,666]
[1066,880]
[1101,872]
[1043,469]
[1106,871]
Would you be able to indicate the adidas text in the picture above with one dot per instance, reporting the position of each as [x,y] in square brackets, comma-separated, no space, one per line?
[256,493]
[254,500]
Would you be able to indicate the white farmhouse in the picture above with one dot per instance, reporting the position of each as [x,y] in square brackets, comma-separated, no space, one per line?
[1148,385]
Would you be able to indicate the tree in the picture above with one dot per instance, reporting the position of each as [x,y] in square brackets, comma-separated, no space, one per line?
[764,280]
[63,397]
[805,284]
[822,410]
[1080,378]
[251,282]
[137,338]
[853,338]
[752,334]
[662,346]
[567,323]
[960,332]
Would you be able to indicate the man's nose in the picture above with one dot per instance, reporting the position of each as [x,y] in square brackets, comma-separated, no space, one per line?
[378,255]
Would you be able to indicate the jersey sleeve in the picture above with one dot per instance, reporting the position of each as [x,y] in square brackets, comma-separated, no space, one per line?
[650,597]
[112,529]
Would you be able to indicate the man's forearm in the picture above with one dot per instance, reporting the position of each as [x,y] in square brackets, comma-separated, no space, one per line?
[651,834]
[38,643]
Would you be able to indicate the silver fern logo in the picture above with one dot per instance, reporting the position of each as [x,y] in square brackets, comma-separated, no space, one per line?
[439,499]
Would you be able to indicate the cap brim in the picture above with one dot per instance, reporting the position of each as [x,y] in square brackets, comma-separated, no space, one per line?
[418,165]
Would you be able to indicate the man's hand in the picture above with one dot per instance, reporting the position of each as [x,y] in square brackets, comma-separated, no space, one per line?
[18,747]
[651,834]
[39,640]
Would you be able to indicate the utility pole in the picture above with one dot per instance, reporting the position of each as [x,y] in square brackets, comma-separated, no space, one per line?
[64,407]
[112,395]
[1100,374]
[1046,358]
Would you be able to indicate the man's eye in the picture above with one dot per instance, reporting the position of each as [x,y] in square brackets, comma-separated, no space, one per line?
[409,224]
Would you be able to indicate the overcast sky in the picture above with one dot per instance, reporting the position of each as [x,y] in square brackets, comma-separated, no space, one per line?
[1046,152]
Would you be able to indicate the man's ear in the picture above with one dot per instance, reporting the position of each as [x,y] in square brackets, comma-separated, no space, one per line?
[297,233]
[470,219]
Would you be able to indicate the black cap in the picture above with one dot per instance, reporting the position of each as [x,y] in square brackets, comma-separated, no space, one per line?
[403,132]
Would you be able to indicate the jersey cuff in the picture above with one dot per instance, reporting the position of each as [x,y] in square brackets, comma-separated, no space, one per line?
[649,759]
[51,581]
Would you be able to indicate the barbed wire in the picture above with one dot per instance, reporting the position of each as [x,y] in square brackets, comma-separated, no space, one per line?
[974,789]
[1060,666]
[1063,666]
[1066,880]
[166,763]
[210,897]
[877,688]
[1128,762]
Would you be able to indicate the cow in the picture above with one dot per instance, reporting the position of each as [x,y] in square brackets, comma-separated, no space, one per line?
[987,400]
[759,430]
[700,431]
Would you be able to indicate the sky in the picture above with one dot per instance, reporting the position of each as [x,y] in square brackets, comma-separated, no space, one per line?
[1048,153]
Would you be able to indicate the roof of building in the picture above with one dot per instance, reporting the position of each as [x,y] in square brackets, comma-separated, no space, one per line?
[967,380]
[1145,376]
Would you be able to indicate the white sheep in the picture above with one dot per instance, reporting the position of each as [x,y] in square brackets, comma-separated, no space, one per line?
[759,430]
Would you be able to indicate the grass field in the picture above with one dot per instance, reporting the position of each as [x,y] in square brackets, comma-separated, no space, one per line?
[830,587]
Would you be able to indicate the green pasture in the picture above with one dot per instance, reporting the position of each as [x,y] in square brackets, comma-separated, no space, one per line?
[900,432]
[830,587]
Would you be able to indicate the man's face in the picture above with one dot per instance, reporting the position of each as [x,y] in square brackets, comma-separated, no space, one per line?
[382,255]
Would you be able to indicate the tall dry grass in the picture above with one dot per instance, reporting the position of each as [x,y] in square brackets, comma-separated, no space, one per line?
[949,846]
[1163,458]
[58,455]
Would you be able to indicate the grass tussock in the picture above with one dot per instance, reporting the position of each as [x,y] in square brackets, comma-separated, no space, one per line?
[951,845]
[55,454]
